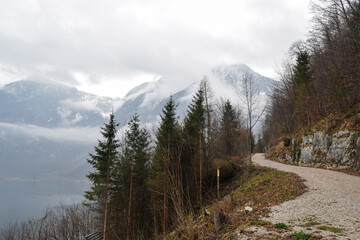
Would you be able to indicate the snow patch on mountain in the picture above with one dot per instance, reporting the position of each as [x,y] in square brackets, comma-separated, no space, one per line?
[56,125]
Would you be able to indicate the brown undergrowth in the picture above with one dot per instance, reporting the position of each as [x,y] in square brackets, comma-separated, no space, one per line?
[244,207]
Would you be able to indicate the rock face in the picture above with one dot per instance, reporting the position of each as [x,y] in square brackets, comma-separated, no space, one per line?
[338,150]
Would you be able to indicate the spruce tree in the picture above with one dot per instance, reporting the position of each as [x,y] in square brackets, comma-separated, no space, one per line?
[134,166]
[192,157]
[165,166]
[229,129]
[304,82]
[103,162]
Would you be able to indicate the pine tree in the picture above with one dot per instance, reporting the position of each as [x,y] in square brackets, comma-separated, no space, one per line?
[103,162]
[229,128]
[192,157]
[304,82]
[134,166]
[165,165]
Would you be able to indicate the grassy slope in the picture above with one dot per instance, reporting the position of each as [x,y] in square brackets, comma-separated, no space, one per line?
[259,189]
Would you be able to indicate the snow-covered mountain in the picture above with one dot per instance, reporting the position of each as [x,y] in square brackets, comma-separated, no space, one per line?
[148,99]
[51,105]
[47,130]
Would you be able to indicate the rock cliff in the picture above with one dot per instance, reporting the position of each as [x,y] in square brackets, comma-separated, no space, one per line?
[333,142]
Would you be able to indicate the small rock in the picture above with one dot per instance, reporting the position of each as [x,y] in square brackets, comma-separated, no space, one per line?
[248,208]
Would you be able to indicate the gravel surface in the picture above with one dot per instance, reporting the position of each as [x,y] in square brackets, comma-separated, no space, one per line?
[332,200]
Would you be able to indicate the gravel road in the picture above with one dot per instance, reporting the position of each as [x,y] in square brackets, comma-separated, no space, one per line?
[332,200]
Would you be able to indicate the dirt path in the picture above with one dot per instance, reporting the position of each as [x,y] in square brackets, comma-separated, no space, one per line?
[332,200]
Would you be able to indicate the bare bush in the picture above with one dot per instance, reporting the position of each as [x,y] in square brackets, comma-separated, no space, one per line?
[63,222]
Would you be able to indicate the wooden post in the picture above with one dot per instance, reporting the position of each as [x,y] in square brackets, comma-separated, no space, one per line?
[218,183]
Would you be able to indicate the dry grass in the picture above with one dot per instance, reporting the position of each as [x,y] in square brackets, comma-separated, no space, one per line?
[260,189]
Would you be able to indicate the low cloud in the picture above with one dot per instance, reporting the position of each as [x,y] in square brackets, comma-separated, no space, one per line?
[79,135]
[120,41]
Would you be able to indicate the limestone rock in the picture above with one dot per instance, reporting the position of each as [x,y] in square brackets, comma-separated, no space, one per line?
[340,150]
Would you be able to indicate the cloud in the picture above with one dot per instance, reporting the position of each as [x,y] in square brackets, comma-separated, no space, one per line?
[83,104]
[85,135]
[122,41]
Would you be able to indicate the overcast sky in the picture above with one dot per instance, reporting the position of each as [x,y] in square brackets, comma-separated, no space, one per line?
[109,46]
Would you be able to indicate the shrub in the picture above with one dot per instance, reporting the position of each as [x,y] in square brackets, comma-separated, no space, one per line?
[281,226]
[301,235]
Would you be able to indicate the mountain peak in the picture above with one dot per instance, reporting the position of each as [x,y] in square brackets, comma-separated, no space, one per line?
[232,75]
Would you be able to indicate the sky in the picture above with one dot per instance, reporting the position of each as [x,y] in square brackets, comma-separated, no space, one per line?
[108,47]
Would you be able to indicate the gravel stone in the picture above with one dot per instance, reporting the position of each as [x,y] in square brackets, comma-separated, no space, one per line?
[332,199]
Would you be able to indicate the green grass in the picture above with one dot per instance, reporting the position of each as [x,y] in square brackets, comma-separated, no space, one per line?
[269,187]
[301,235]
[281,226]
[257,222]
[331,229]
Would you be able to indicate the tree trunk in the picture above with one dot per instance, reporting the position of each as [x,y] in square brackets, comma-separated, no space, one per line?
[250,144]
[130,199]
[165,201]
[166,178]
[200,153]
[218,183]
[106,202]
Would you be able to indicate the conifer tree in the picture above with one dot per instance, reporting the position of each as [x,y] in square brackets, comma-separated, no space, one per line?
[165,165]
[229,128]
[134,165]
[102,162]
[304,82]
[192,157]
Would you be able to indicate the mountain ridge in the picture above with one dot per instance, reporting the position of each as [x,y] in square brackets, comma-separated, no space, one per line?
[51,118]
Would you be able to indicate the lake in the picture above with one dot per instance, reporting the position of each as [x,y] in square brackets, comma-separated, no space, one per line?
[20,199]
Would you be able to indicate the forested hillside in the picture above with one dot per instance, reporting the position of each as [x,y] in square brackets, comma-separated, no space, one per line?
[166,188]
[142,190]
[322,73]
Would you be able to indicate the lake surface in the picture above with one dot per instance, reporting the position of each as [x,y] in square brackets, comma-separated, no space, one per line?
[20,200]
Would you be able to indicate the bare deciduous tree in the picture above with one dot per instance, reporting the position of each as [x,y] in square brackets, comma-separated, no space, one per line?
[63,222]
[249,94]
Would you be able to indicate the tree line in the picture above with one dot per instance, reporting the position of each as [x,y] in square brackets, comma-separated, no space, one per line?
[142,189]
[322,74]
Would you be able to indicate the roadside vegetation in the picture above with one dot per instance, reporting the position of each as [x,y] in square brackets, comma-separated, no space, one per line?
[254,192]
[319,80]
[194,179]
[63,222]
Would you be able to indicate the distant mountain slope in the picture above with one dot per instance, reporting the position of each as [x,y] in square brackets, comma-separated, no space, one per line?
[51,105]
[47,130]
[148,99]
